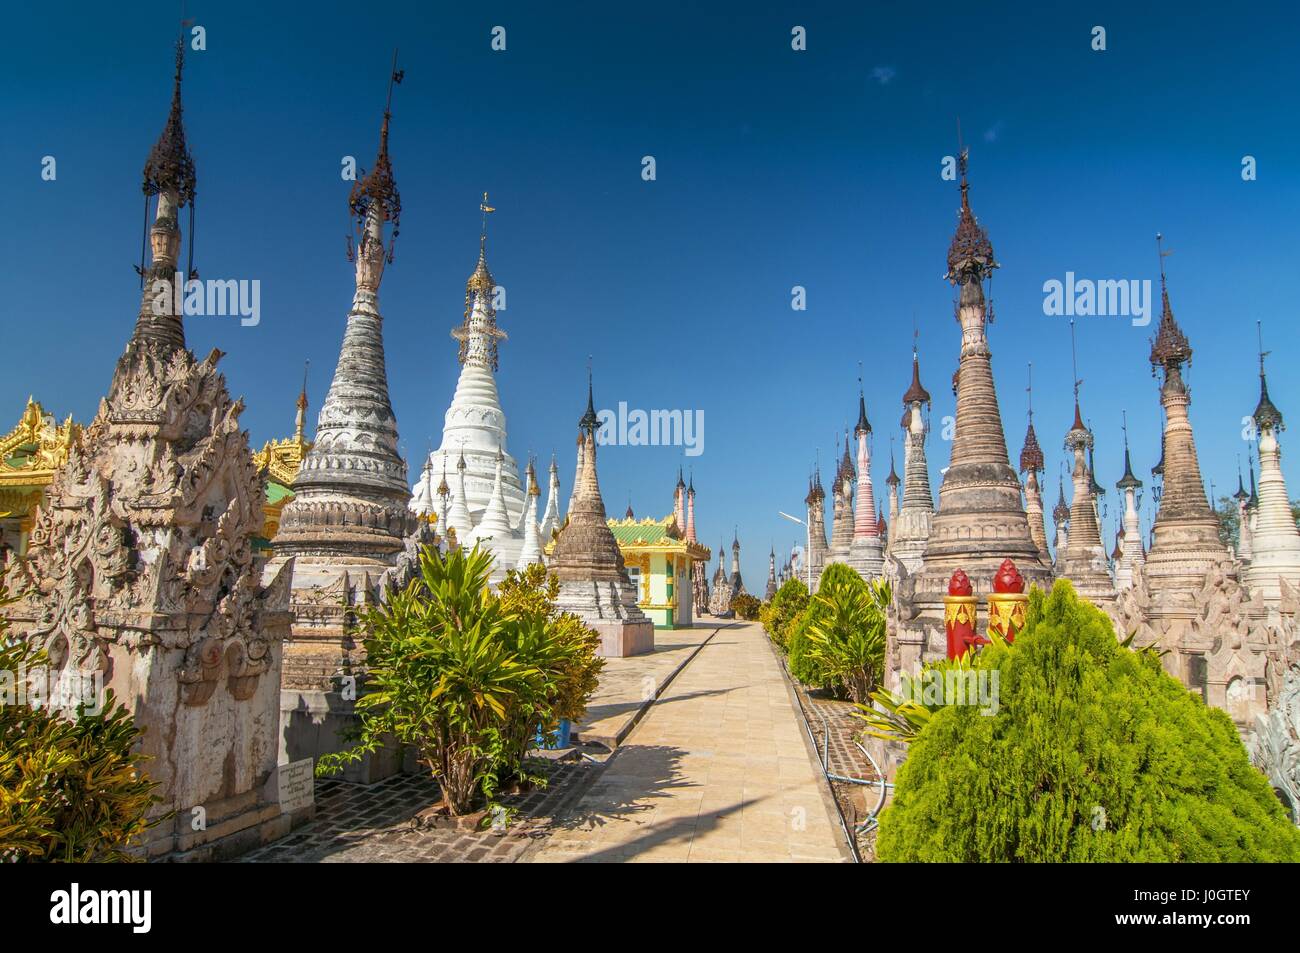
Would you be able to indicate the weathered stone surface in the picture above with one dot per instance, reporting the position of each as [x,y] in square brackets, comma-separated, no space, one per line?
[141,566]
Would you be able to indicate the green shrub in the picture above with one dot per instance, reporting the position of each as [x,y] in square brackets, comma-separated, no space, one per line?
[466,676]
[559,646]
[846,637]
[1094,754]
[745,606]
[777,615]
[70,788]
[806,664]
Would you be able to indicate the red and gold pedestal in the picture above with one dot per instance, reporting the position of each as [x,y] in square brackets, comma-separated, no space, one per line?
[1008,602]
[959,615]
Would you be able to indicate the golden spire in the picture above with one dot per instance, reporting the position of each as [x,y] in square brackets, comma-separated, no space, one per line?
[480,280]
[301,420]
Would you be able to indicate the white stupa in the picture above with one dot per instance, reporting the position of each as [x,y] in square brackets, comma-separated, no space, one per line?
[486,485]
[475,425]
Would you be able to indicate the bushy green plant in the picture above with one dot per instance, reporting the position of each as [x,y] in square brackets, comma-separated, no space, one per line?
[1094,753]
[805,663]
[70,787]
[777,615]
[745,606]
[846,637]
[559,646]
[466,676]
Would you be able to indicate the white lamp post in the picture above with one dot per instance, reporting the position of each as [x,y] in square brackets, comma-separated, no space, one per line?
[807,550]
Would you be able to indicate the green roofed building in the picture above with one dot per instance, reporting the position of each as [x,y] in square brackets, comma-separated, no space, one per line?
[659,559]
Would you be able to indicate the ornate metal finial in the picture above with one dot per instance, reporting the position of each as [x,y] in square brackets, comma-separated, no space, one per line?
[1170,349]
[170,167]
[169,170]
[443,488]
[1267,416]
[375,194]
[300,421]
[1074,369]
[915,392]
[479,337]
[1241,495]
[482,238]
[1031,454]
[863,426]
[970,255]
[589,421]
[1060,512]
[1128,479]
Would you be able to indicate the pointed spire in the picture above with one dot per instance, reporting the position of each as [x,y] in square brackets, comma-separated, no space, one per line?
[375,201]
[1128,479]
[300,418]
[170,166]
[479,336]
[915,392]
[551,519]
[1031,454]
[589,421]
[168,174]
[531,550]
[970,255]
[1060,512]
[1267,416]
[863,426]
[892,479]
[1170,348]
[1254,495]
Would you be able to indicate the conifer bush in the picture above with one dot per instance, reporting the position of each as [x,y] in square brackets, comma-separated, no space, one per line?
[1094,754]
[745,606]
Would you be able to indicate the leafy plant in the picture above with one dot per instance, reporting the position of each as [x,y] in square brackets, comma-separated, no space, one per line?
[1093,753]
[806,663]
[466,676]
[847,638]
[559,646]
[70,787]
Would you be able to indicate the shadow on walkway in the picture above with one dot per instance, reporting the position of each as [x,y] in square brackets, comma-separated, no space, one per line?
[598,713]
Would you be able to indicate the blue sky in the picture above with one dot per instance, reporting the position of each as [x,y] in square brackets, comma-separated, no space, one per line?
[775,168]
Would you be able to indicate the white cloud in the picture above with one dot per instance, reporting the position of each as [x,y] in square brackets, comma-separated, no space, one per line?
[883,74]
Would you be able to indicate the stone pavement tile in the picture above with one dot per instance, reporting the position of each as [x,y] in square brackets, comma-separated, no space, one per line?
[723,743]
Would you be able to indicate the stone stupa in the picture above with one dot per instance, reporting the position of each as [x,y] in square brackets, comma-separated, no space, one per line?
[142,570]
[594,583]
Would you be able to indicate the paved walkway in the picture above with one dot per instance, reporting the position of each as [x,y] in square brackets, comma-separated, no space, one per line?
[627,685]
[718,770]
